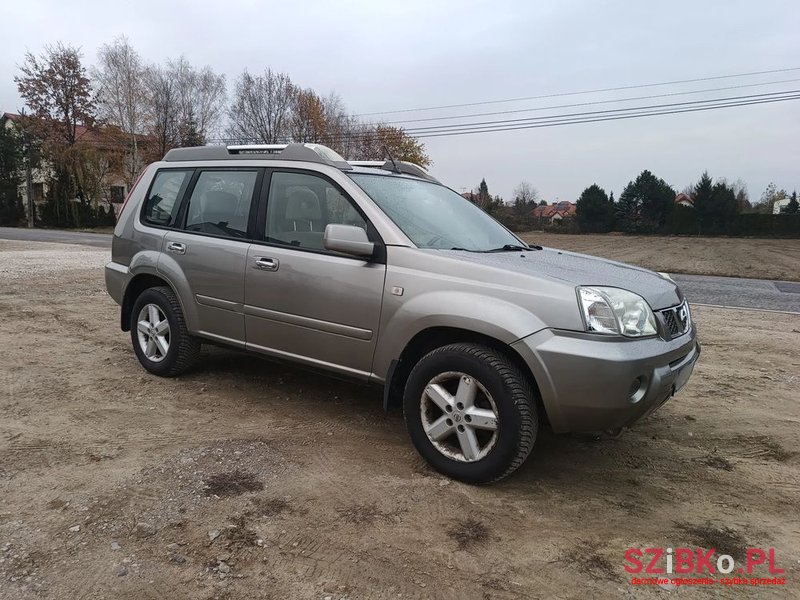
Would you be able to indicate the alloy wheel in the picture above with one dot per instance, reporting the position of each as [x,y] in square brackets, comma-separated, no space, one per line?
[153,332]
[459,416]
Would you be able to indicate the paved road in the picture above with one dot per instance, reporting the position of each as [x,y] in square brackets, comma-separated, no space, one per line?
[743,293]
[722,291]
[100,240]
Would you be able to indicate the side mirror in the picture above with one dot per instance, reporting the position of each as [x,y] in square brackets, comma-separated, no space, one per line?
[348,239]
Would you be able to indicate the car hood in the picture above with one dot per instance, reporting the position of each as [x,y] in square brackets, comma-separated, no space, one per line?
[581,269]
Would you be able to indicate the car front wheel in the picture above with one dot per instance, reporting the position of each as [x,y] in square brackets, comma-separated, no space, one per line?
[470,412]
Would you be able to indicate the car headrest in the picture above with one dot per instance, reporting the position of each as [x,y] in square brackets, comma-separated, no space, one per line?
[302,205]
[218,205]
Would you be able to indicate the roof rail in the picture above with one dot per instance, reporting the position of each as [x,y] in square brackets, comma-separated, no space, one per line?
[367,163]
[237,149]
[303,152]
[403,166]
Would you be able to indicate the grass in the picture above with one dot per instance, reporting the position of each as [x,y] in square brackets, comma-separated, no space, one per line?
[756,258]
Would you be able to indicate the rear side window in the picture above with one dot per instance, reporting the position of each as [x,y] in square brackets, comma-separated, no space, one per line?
[220,203]
[161,206]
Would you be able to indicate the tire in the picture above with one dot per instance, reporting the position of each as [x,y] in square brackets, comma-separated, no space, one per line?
[496,385]
[181,347]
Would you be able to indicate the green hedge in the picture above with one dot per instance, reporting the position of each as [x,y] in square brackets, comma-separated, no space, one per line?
[787,226]
[682,220]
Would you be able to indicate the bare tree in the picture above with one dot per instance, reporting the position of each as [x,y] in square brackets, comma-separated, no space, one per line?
[526,197]
[95,166]
[201,96]
[163,109]
[210,96]
[184,104]
[262,107]
[769,197]
[121,99]
[742,195]
[342,129]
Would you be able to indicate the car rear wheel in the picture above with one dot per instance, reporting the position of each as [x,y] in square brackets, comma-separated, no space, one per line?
[161,340]
[470,412]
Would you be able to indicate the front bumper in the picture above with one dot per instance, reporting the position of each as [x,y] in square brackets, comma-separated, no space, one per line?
[591,383]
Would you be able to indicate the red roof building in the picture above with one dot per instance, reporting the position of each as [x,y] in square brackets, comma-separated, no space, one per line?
[555,212]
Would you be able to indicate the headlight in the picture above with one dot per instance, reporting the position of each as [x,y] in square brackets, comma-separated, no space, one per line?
[616,311]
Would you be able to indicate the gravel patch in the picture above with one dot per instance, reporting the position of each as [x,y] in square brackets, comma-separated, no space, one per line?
[39,259]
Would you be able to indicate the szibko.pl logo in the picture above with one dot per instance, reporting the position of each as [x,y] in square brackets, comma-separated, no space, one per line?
[697,562]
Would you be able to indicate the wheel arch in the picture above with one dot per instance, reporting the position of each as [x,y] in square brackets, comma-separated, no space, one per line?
[138,284]
[436,337]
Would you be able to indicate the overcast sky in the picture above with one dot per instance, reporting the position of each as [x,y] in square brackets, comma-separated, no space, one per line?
[384,56]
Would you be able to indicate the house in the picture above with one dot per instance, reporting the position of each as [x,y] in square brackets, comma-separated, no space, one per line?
[684,200]
[779,206]
[555,212]
[110,142]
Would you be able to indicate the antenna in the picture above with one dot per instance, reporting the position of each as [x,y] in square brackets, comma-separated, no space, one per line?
[394,164]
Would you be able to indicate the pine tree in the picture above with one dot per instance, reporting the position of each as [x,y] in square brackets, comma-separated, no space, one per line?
[483,194]
[188,133]
[645,204]
[715,205]
[703,202]
[793,207]
[595,212]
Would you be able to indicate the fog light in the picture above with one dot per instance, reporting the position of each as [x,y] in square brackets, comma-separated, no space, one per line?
[637,390]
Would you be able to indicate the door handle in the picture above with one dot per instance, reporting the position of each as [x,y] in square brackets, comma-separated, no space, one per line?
[176,247]
[267,264]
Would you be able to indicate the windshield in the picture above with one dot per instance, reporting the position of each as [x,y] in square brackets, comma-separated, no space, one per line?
[433,216]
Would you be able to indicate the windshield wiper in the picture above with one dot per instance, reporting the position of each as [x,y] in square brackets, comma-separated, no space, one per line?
[514,248]
[506,248]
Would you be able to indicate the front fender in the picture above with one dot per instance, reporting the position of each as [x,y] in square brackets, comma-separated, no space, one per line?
[486,315]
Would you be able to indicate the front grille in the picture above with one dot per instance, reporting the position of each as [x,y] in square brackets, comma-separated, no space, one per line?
[676,320]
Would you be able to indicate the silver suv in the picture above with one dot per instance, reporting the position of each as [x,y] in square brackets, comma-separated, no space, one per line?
[376,271]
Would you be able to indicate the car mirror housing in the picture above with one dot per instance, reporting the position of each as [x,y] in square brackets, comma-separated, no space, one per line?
[348,239]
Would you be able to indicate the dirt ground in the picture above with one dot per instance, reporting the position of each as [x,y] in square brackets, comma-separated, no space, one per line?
[731,257]
[248,479]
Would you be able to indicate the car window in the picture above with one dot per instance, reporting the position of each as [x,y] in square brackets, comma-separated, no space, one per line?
[161,206]
[300,206]
[220,203]
[433,216]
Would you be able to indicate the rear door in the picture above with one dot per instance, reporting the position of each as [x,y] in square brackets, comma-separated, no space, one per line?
[302,301]
[209,247]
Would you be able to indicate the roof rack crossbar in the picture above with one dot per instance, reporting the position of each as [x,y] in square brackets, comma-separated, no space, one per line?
[298,151]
